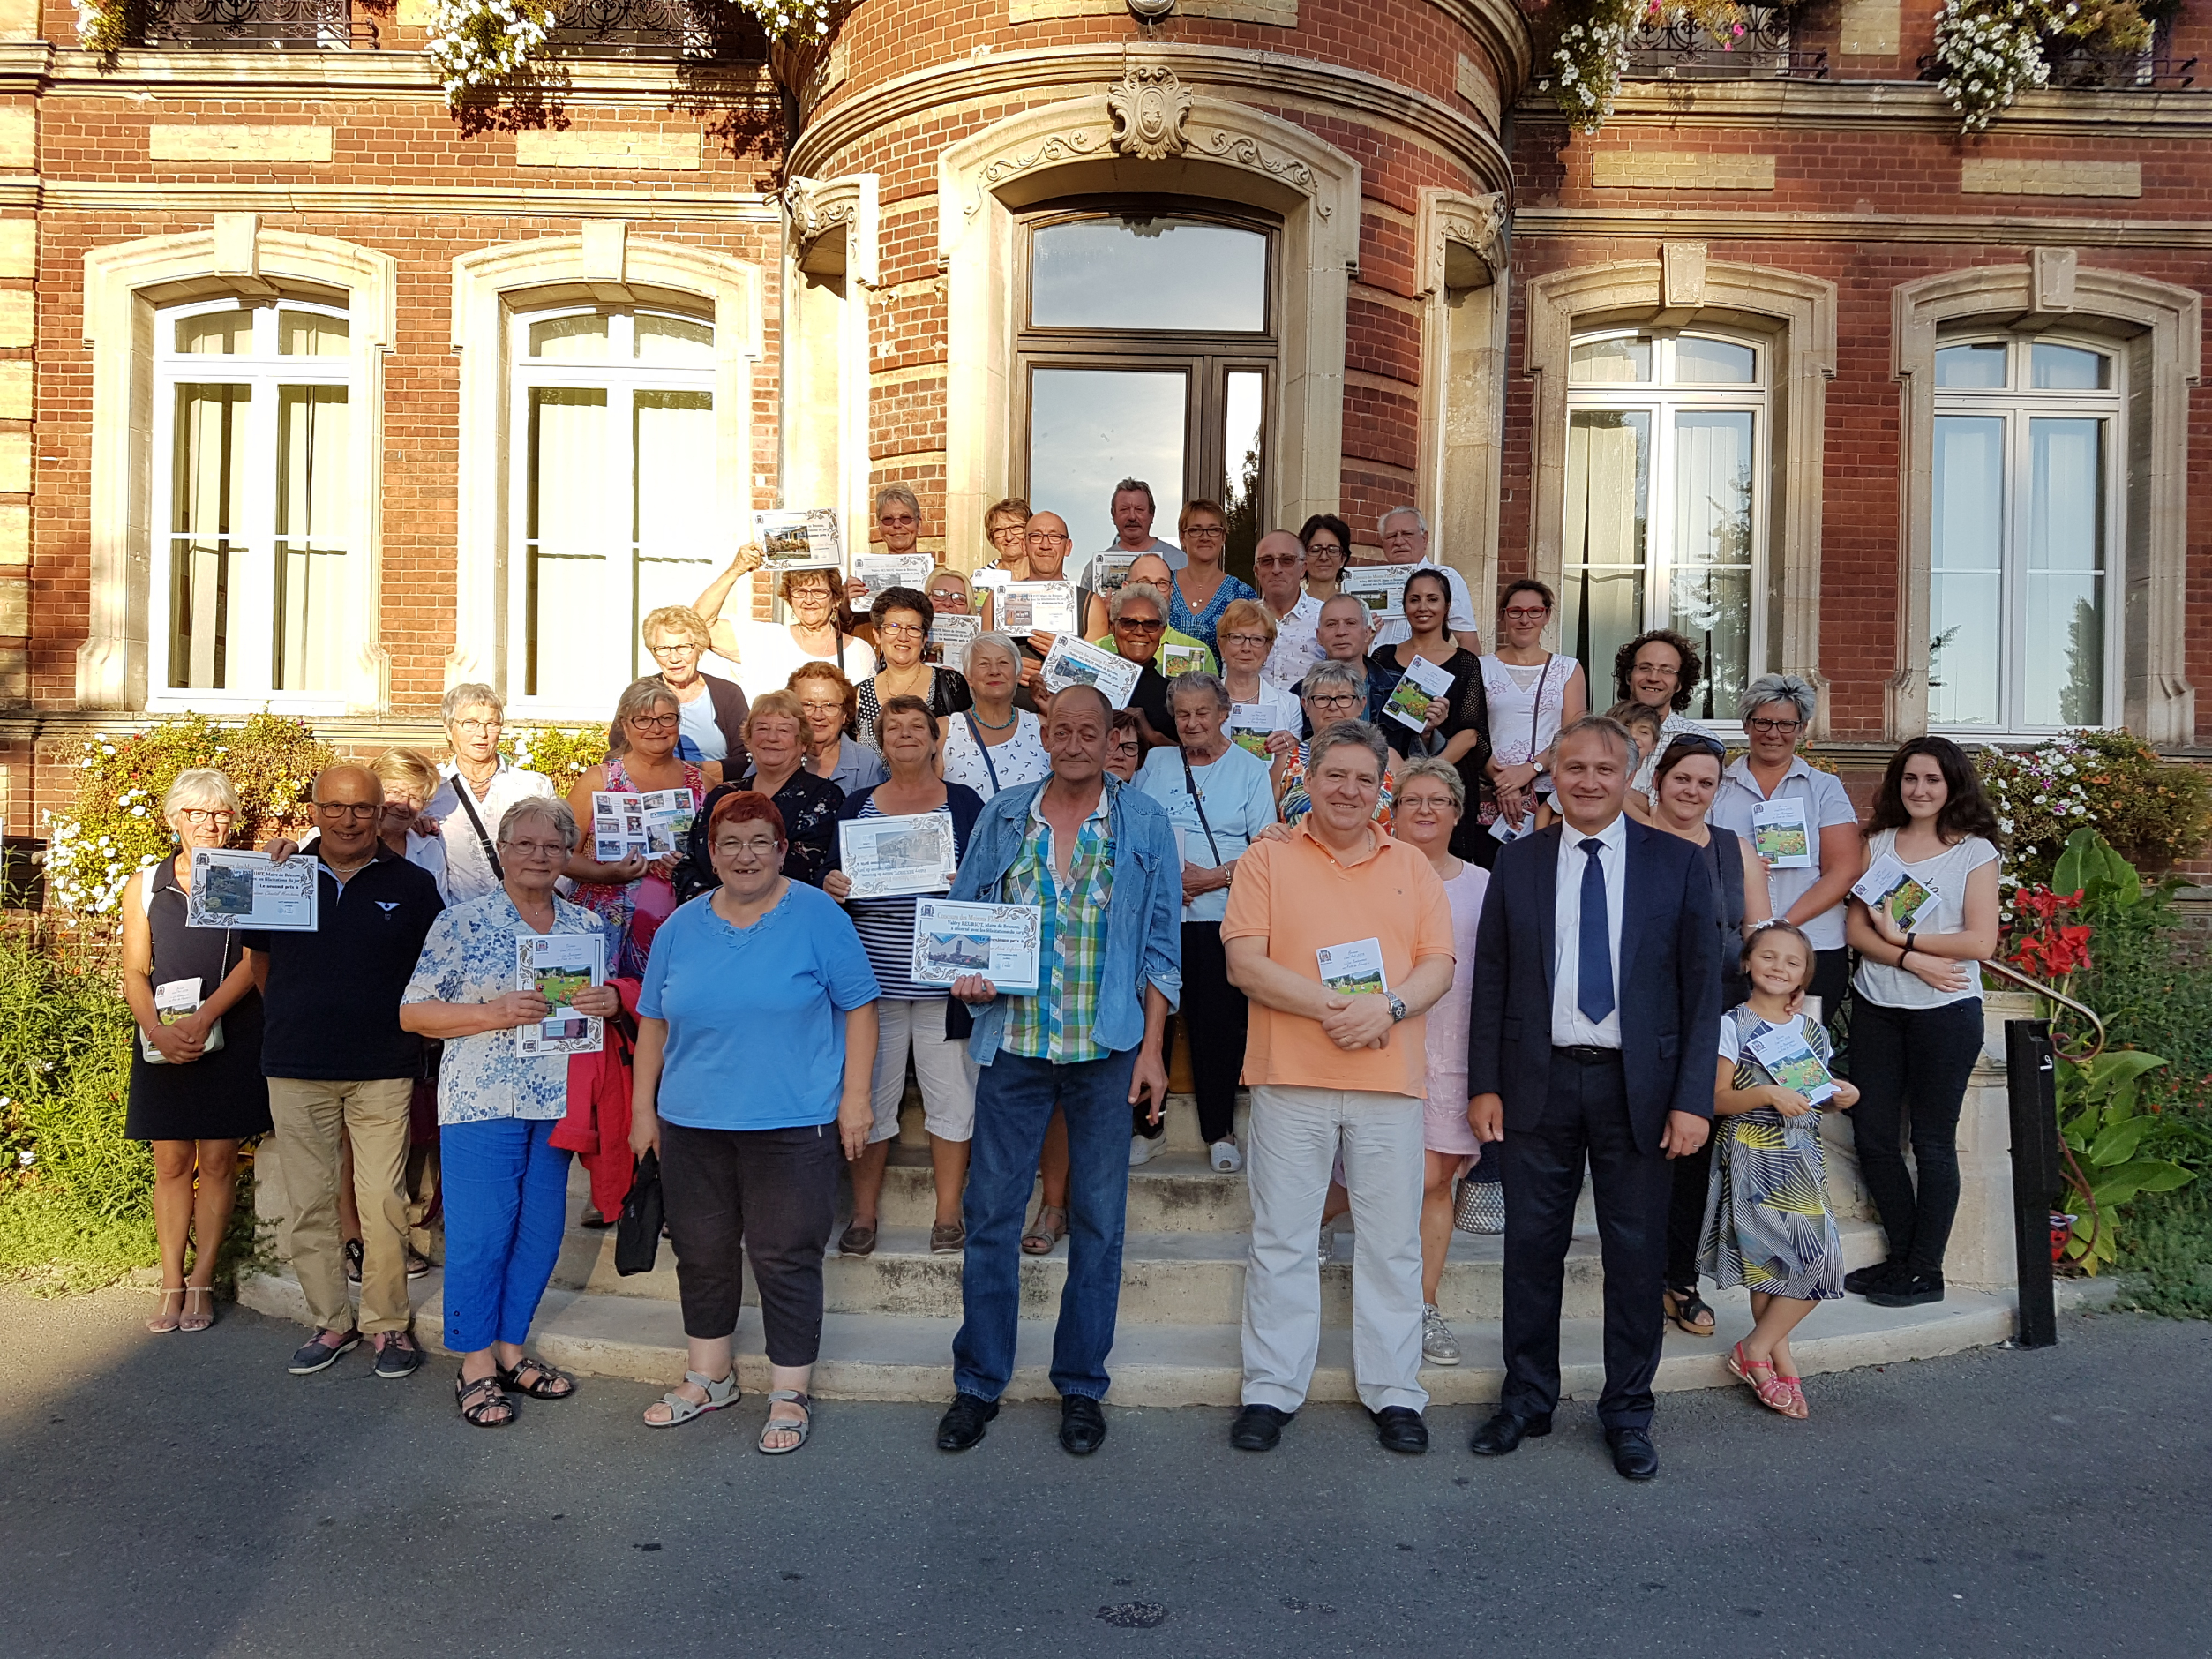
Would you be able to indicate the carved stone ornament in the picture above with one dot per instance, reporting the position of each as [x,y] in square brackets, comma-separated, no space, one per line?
[815,209]
[1150,108]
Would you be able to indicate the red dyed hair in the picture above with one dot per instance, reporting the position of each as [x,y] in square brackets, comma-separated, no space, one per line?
[745,806]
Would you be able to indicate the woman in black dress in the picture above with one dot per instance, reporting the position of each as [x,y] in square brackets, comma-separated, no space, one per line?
[196,1084]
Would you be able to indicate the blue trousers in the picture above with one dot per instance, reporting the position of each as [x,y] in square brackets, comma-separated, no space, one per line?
[1015,1098]
[506,1189]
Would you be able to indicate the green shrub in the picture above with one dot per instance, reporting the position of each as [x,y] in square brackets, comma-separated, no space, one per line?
[564,753]
[2166,1243]
[2156,812]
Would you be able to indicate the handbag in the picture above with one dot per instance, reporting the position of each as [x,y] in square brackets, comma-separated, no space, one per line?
[637,1236]
[1481,1206]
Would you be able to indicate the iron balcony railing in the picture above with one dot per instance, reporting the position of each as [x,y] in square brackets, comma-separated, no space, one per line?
[587,29]
[2076,68]
[1677,49]
[659,28]
[280,25]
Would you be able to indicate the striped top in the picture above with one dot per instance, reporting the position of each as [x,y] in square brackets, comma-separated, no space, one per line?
[885,925]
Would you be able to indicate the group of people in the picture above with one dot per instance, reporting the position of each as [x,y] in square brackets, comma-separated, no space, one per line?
[1563,910]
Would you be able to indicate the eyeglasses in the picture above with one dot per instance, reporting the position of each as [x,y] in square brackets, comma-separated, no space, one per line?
[1774,728]
[205,814]
[1526,613]
[730,847]
[535,849]
[1246,639]
[477,728]
[1424,803]
[1046,539]
[838,708]
[680,648]
[1205,529]
[656,721]
[903,630]
[1334,700]
[948,596]
[1123,746]
[1140,625]
[1324,547]
[1006,532]
[349,808]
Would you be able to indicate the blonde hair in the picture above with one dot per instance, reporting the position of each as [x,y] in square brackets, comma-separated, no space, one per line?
[410,767]
[1246,613]
[960,576]
[1014,507]
[783,702]
[640,697]
[676,618]
[795,579]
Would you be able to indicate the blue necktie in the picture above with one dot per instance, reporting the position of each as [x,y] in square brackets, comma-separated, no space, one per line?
[1594,986]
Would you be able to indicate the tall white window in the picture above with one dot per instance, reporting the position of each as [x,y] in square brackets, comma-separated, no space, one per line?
[252,502]
[1665,509]
[2026,508]
[612,441]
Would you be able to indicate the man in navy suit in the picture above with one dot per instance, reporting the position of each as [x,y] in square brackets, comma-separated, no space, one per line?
[1595,1019]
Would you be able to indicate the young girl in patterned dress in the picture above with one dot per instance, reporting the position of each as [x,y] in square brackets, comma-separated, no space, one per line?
[1768,1227]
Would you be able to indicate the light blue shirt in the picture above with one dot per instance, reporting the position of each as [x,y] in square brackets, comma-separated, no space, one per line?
[703,739]
[1239,796]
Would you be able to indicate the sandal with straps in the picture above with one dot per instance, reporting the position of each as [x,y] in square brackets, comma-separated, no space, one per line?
[719,1394]
[484,1404]
[163,1321]
[1798,1408]
[1043,1235]
[1772,1392]
[802,1428]
[1692,1315]
[189,1321]
[544,1383]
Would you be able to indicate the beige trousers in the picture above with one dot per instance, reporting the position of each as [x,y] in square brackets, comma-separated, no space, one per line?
[309,1114]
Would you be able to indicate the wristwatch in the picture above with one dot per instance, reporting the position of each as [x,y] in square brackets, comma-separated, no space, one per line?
[1397,1009]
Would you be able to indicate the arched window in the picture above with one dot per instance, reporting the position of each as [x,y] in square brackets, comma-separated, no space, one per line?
[1149,352]
[1666,512]
[252,499]
[613,493]
[2026,508]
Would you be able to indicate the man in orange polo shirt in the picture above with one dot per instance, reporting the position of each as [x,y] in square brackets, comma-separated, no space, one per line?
[1341,938]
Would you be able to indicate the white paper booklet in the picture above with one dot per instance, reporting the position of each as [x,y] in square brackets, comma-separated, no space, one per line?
[909,853]
[949,637]
[557,967]
[173,1003]
[1782,835]
[1250,726]
[1423,684]
[1505,832]
[999,942]
[618,826]
[879,571]
[1074,662]
[1355,969]
[1037,607]
[1381,588]
[1789,1060]
[1888,883]
[668,815]
[805,539]
[244,890]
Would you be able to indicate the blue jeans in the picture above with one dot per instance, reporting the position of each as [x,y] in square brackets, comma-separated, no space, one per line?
[1015,1099]
[506,1190]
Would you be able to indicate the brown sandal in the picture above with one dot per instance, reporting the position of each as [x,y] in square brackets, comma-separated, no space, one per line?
[484,1403]
[1045,1233]
[1691,1314]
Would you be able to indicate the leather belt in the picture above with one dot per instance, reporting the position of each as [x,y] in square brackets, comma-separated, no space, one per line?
[1588,1053]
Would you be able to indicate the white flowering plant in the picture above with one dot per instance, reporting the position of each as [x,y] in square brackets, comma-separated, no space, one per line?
[103,25]
[1591,39]
[1990,52]
[2156,811]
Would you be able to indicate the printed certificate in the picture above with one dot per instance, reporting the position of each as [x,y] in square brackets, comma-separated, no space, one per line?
[1381,588]
[557,967]
[1789,1060]
[949,637]
[802,540]
[1037,607]
[879,571]
[668,815]
[1074,662]
[1888,883]
[244,890]
[909,853]
[1423,684]
[1355,969]
[1181,659]
[1782,835]
[1109,571]
[999,942]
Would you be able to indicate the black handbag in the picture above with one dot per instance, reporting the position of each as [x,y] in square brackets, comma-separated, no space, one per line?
[637,1236]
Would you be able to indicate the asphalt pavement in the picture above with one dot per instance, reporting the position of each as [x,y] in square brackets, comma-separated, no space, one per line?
[182,1496]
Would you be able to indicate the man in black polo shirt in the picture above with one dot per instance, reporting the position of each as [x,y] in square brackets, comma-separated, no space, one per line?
[340,1067]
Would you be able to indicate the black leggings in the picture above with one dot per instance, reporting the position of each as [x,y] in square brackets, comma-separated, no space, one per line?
[1693,1178]
[1912,1064]
[1216,1015]
[773,1190]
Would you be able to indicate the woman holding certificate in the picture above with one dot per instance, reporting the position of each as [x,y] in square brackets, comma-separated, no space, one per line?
[903,617]
[879,893]
[634,894]
[991,744]
[196,1084]
[502,1087]
[1246,638]
[1454,725]
[1922,920]
[1332,692]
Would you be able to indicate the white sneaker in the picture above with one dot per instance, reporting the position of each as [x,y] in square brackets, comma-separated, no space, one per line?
[1140,1149]
[1438,1346]
[1227,1160]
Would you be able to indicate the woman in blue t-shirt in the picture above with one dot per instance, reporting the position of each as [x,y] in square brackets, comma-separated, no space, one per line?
[756,1035]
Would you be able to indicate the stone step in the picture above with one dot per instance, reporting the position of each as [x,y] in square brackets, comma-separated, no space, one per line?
[1176,1192]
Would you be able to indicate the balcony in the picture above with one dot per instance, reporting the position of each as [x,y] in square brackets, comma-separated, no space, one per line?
[675,29]
[266,25]
[658,28]
[1681,50]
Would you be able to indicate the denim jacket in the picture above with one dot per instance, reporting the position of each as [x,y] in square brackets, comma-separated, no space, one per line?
[1143,916]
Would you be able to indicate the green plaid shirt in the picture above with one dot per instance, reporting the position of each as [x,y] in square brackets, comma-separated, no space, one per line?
[1056,1023]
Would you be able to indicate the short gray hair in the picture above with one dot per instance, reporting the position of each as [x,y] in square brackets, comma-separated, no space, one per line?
[1136,486]
[552,809]
[1779,688]
[1443,771]
[1130,591]
[1198,679]
[1332,673]
[1355,733]
[1606,727]
[468,694]
[898,492]
[1407,511]
[201,786]
[997,642]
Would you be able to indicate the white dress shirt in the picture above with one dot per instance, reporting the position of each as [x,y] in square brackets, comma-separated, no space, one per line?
[1296,647]
[1570,1027]
[1460,618]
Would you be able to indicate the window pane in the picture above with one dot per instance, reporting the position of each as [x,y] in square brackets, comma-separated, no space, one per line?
[2064,641]
[312,501]
[1609,362]
[1715,363]
[1712,599]
[2053,368]
[207,498]
[1244,405]
[1089,429]
[1971,368]
[311,335]
[674,340]
[1151,274]
[572,649]
[217,333]
[570,339]
[672,504]
[1608,488]
[1966,599]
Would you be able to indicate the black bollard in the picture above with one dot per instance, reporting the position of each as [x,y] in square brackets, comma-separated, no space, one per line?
[2031,1083]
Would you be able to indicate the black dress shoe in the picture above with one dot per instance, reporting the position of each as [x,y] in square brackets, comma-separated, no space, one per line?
[1258,1428]
[1082,1424]
[1505,1432]
[1861,1281]
[1400,1429]
[1634,1457]
[964,1421]
[1907,1290]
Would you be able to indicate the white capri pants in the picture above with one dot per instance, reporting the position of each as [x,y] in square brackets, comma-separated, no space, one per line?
[941,1066]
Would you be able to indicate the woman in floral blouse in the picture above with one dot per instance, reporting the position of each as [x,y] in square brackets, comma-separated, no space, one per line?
[506,1186]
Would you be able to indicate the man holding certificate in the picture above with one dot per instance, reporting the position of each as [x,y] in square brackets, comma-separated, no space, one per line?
[1071,885]
[1340,936]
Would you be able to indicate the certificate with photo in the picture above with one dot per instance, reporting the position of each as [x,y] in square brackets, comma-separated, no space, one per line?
[879,571]
[1002,942]
[806,539]
[1789,1060]
[949,637]
[1423,684]
[1109,571]
[1355,969]
[1074,662]
[1782,835]
[1037,607]
[908,852]
[1887,884]
[618,826]
[557,967]
[1381,588]
[244,889]
[1181,659]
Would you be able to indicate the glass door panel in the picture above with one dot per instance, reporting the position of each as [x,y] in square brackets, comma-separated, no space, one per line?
[2063,640]
[312,505]
[1966,599]
[1089,429]
[1243,465]
[672,509]
[1710,601]
[207,503]
[1608,492]
[571,594]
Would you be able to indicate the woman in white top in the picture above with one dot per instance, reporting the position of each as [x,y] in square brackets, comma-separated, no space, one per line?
[765,653]
[1916,1007]
[1245,637]
[993,744]
[1533,691]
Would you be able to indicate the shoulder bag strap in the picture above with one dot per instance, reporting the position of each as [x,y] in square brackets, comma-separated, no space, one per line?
[475,819]
[1190,784]
[975,734]
[1536,704]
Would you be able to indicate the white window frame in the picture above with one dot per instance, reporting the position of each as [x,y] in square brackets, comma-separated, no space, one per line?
[1664,398]
[2016,404]
[620,376]
[253,588]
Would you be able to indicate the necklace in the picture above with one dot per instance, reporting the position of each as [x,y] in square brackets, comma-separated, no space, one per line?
[1012,715]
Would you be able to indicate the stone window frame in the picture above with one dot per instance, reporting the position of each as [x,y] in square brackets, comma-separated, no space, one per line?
[830,269]
[1463,289]
[2158,327]
[1796,314]
[125,283]
[1220,151]
[603,265]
